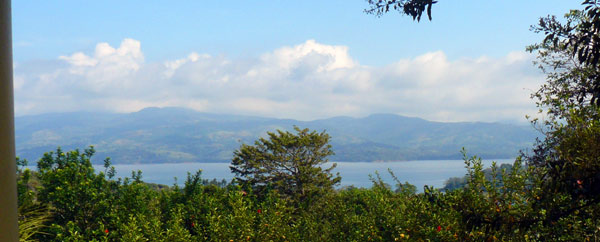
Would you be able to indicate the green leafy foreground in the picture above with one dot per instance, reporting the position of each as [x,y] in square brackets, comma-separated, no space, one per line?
[67,200]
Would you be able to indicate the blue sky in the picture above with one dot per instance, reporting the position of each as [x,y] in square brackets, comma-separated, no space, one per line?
[347,62]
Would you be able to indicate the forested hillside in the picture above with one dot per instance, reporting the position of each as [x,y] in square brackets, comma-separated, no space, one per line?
[165,135]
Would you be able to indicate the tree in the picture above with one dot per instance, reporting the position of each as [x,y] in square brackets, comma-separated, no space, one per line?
[288,163]
[413,8]
[572,81]
[79,198]
[566,164]
[569,98]
[567,161]
[580,37]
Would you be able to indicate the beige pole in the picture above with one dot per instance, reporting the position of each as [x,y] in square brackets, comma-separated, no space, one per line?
[8,189]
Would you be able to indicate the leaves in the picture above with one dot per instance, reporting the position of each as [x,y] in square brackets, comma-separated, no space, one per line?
[286,162]
[413,8]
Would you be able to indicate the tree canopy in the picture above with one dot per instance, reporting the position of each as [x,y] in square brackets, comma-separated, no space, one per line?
[570,53]
[290,163]
[567,160]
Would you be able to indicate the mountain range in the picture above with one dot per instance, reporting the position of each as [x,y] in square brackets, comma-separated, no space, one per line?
[174,135]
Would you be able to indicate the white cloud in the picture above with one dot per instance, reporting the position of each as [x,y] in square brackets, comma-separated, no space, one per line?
[172,66]
[307,81]
[321,57]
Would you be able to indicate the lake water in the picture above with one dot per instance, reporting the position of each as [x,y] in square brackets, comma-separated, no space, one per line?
[418,173]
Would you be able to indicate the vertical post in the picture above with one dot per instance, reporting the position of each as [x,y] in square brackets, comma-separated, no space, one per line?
[8,189]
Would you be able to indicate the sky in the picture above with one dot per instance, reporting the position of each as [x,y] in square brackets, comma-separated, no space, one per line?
[286,59]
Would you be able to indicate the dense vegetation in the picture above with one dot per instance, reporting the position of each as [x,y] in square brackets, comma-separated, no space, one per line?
[282,194]
[68,201]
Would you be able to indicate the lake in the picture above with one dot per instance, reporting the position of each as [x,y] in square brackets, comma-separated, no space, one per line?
[418,173]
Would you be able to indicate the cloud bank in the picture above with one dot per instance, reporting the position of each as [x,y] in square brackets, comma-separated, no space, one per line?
[307,81]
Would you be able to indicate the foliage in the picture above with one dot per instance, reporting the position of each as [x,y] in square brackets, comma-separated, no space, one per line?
[288,163]
[31,222]
[564,166]
[578,37]
[76,195]
[570,83]
[25,189]
[502,204]
[454,183]
[566,161]
[413,8]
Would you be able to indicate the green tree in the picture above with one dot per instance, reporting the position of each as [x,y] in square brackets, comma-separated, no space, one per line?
[289,163]
[79,199]
[569,98]
[579,36]
[566,161]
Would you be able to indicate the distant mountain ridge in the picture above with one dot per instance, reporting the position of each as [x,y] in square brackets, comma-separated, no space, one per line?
[172,135]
